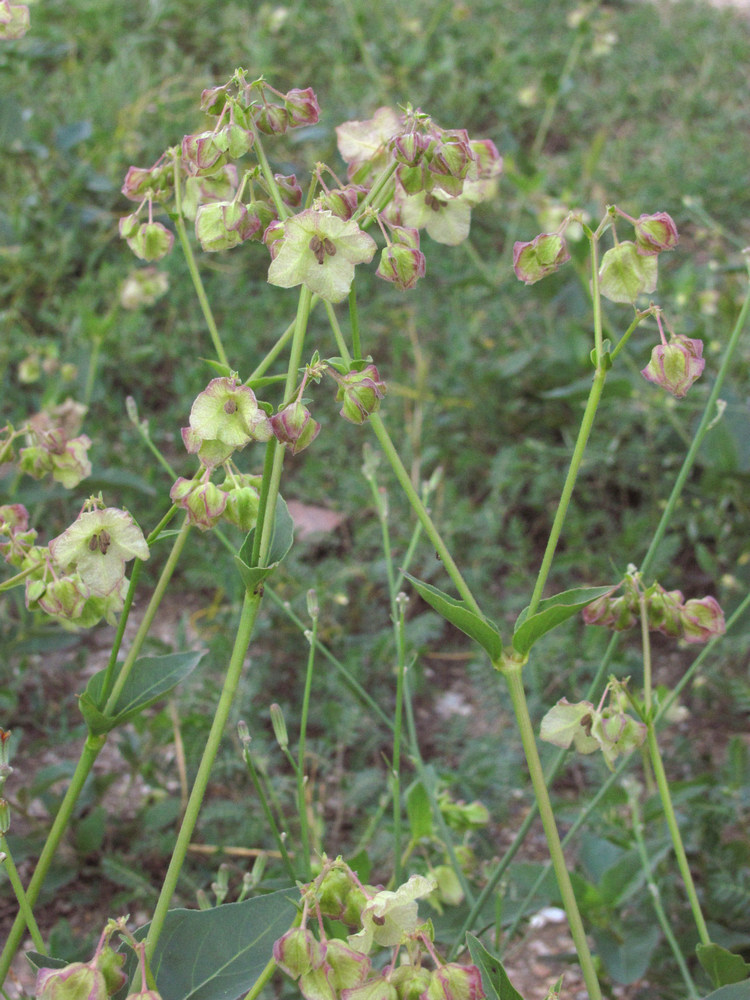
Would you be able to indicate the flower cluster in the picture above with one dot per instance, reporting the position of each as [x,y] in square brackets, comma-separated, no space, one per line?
[328,968]
[402,168]
[97,979]
[695,620]
[53,445]
[607,728]
[79,578]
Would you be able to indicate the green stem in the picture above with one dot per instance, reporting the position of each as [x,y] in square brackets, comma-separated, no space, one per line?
[512,671]
[90,752]
[399,625]
[153,607]
[709,414]
[248,615]
[662,783]
[653,888]
[193,269]
[23,903]
[268,812]
[352,683]
[674,830]
[376,422]
[570,480]
[301,783]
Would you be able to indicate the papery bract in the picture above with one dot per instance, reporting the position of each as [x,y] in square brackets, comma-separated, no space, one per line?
[97,545]
[14,20]
[388,916]
[625,274]
[361,392]
[541,256]
[447,220]
[319,250]
[702,620]
[203,502]
[676,365]
[655,233]
[295,426]
[223,418]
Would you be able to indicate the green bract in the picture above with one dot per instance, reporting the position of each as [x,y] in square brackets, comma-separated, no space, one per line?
[319,250]
[97,545]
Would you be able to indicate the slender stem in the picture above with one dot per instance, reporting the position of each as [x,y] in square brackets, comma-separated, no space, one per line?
[709,414]
[193,269]
[674,830]
[399,625]
[511,670]
[268,812]
[153,607]
[23,903]
[301,782]
[354,322]
[376,422]
[352,683]
[570,480]
[662,784]
[653,888]
[248,615]
[90,752]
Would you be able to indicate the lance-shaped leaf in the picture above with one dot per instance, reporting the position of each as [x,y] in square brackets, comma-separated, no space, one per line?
[495,980]
[459,614]
[551,612]
[150,679]
[283,536]
[723,967]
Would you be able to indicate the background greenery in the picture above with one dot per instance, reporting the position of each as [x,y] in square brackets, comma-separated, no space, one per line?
[486,380]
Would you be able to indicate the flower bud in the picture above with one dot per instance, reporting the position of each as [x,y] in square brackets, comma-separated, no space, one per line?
[294,426]
[203,502]
[663,610]
[64,598]
[201,153]
[333,891]
[361,393]
[143,288]
[243,500]
[341,201]
[222,225]
[77,981]
[279,726]
[110,962]
[14,20]
[702,620]
[542,256]
[272,120]
[625,274]
[298,951]
[149,240]
[348,968]
[676,365]
[291,192]
[301,107]
[459,982]
[654,233]
[156,182]
[616,613]
[403,265]
[411,981]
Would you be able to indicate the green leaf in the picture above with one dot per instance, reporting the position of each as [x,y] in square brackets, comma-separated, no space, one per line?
[283,536]
[552,612]
[737,991]
[457,613]
[418,810]
[723,967]
[150,679]
[495,980]
[627,954]
[219,954]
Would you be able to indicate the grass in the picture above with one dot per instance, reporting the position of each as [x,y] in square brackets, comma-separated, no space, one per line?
[484,376]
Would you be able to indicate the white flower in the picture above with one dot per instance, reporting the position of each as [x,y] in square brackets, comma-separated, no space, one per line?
[97,545]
